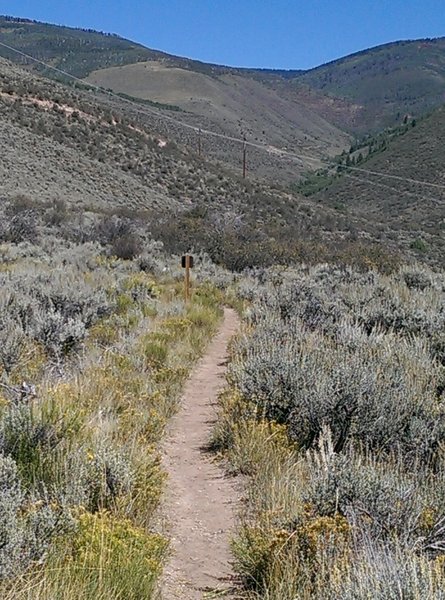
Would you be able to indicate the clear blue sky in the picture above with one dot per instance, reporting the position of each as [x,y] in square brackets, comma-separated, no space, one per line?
[287,34]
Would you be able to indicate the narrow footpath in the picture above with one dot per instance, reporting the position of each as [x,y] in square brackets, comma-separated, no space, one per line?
[201,501]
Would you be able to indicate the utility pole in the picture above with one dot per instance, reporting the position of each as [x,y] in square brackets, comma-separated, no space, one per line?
[244,158]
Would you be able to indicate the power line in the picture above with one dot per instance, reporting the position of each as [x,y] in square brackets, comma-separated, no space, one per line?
[140,108]
[93,85]
[396,177]
[392,189]
[199,130]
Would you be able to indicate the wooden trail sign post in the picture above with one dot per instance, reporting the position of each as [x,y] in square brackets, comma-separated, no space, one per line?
[187,264]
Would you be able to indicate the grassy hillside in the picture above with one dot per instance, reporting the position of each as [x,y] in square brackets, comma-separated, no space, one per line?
[102,155]
[221,99]
[230,103]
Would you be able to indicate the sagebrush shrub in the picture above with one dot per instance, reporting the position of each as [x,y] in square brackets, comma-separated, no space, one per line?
[351,364]
[389,572]
[54,309]
[27,525]
[379,499]
[309,362]
[104,474]
[12,342]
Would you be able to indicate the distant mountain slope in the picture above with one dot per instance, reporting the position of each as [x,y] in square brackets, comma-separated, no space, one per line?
[102,155]
[405,211]
[99,152]
[305,111]
[77,51]
[231,103]
[57,142]
[386,82]
[234,102]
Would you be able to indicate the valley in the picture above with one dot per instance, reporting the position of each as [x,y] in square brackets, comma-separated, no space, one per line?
[277,435]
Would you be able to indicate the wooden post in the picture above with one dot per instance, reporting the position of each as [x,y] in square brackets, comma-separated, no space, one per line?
[187,264]
[244,158]
[199,142]
[187,278]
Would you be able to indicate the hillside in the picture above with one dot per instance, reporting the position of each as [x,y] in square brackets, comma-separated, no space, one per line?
[412,214]
[78,51]
[311,112]
[231,103]
[225,100]
[385,82]
[104,155]
[365,91]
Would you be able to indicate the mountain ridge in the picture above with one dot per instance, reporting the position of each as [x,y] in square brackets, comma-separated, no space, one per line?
[347,92]
[285,72]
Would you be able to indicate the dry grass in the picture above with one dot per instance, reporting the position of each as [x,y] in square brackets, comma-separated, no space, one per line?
[84,478]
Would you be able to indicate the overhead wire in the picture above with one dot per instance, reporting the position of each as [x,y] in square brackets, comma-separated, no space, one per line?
[396,177]
[270,149]
[392,189]
[122,98]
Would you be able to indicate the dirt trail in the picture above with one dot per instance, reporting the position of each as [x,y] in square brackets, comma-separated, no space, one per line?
[201,500]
